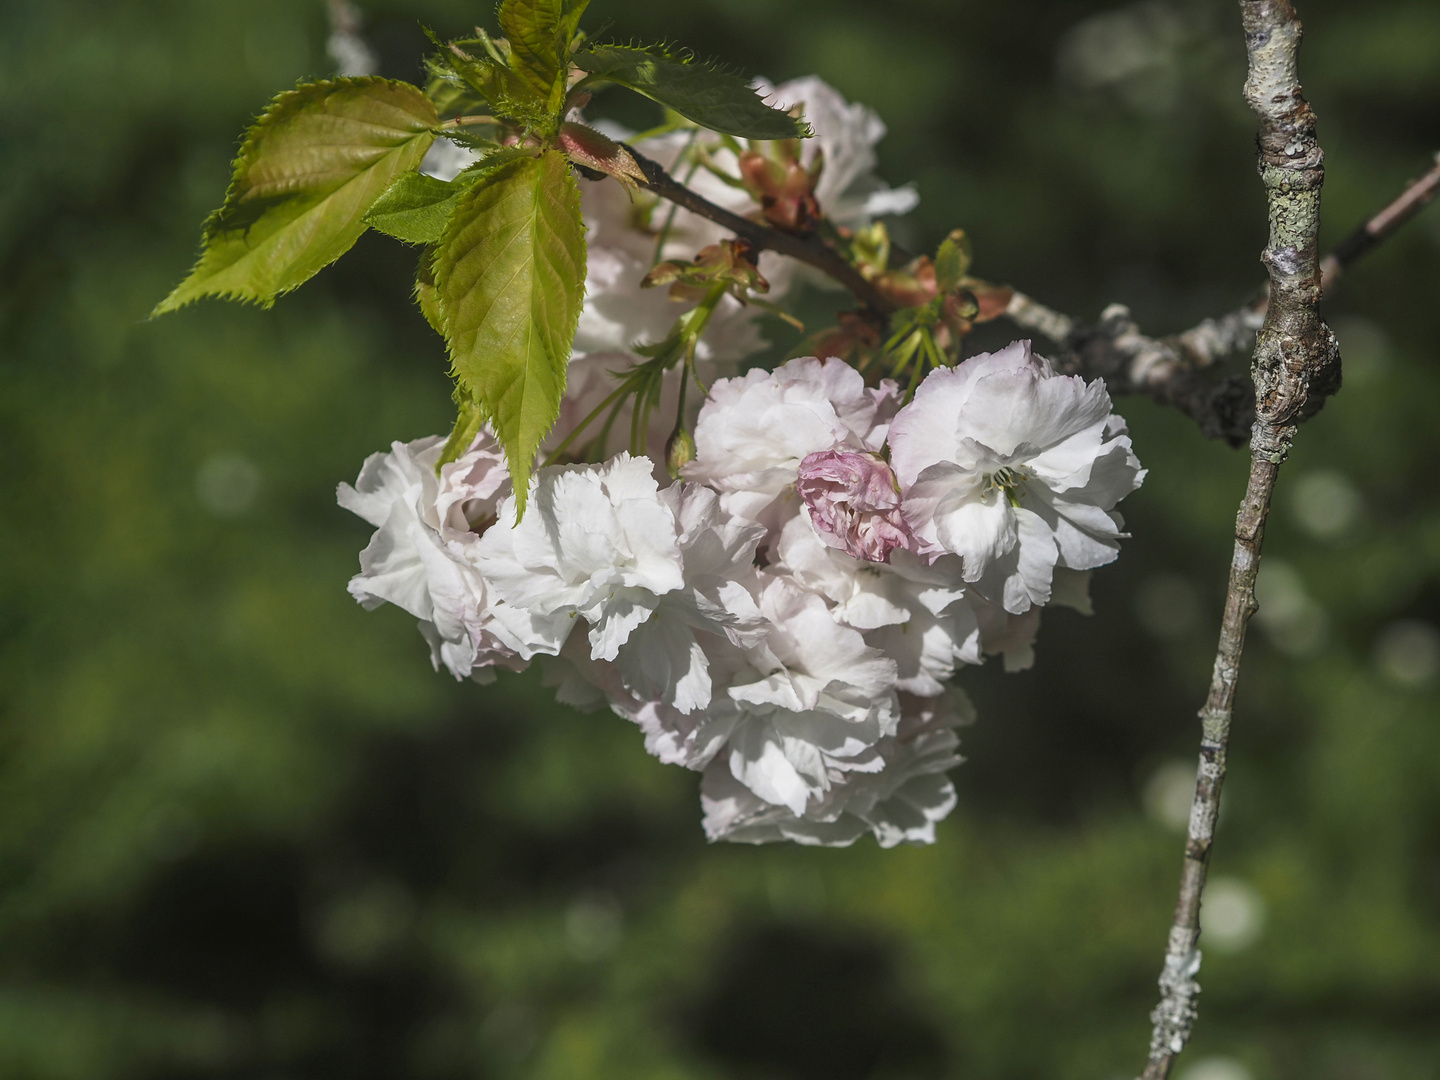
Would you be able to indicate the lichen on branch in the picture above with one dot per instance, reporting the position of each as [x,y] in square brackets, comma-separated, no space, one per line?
[1296,365]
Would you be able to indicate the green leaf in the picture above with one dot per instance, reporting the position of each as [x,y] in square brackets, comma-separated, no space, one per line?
[540,33]
[710,96]
[312,165]
[415,208]
[510,274]
[462,65]
[425,292]
[468,422]
[452,95]
[952,260]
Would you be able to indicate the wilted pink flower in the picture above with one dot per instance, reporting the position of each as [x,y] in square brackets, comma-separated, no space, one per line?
[854,504]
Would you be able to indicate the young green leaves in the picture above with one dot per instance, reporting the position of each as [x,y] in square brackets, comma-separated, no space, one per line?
[710,96]
[415,208]
[310,168]
[523,76]
[510,280]
[479,69]
[541,34]
[502,275]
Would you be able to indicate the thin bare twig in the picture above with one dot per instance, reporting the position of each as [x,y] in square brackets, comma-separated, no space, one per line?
[1296,365]
[1412,200]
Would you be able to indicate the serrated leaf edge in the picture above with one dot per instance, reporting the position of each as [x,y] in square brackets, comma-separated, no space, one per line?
[248,146]
[520,470]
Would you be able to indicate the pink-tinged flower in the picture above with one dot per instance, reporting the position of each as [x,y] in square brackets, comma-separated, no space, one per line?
[753,431]
[854,504]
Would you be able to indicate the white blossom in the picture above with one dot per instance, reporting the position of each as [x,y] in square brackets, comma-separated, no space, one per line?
[675,737]
[809,702]
[423,556]
[663,667]
[664,659]
[789,618]
[596,541]
[1014,468]
[917,613]
[900,802]
[797,701]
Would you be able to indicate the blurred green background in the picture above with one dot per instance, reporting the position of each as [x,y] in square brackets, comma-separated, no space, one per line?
[246,832]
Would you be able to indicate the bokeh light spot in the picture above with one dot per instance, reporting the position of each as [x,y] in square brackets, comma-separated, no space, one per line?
[227,484]
[1232,915]
[1169,792]
[1408,652]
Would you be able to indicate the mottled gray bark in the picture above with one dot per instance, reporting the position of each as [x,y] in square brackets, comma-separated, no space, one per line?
[1296,365]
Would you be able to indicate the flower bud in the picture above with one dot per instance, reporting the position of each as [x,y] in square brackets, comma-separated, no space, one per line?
[679,452]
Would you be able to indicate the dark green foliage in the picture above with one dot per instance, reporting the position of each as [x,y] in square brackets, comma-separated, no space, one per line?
[709,95]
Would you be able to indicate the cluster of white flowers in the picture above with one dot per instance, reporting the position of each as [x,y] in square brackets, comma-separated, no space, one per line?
[789,616]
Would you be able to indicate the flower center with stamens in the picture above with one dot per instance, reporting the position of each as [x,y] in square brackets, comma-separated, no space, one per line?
[1010,482]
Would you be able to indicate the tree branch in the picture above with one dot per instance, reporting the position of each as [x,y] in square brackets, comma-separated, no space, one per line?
[1172,369]
[807,249]
[1296,365]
